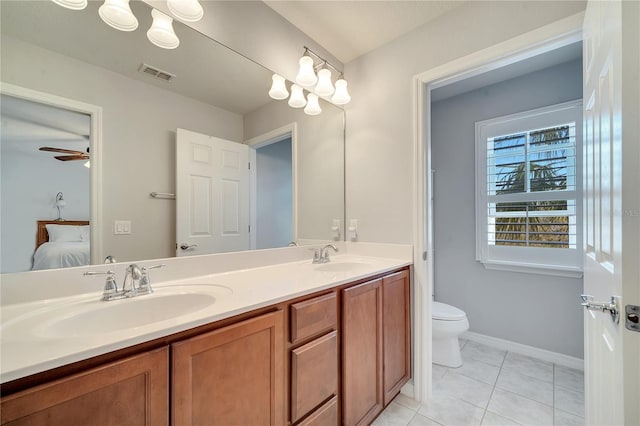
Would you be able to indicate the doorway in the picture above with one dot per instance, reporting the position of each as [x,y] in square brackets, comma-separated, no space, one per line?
[274,189]
[546,39]
[90,139]
[274,194]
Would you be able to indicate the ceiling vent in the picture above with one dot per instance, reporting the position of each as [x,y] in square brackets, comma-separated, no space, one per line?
[156,72]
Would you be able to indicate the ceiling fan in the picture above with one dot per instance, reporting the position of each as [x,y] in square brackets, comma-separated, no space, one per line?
[71,154]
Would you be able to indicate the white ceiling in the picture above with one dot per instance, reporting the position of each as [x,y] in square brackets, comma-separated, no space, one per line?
[350,28]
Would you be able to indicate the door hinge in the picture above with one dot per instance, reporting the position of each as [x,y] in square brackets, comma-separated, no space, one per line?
[424,255]
[249,165]
[249,228]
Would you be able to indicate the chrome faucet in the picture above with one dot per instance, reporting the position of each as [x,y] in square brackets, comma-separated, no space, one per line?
[131,277]
[322,255]
[136,282]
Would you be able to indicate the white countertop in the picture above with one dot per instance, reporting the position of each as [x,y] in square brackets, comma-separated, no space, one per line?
[29,347]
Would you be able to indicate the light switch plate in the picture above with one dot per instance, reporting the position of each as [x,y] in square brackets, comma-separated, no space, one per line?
[121,227]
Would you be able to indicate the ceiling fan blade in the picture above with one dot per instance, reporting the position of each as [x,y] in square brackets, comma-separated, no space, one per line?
[71,157]
[61,150]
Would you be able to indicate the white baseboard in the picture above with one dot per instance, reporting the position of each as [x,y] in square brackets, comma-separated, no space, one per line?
[542,354]
[408,390]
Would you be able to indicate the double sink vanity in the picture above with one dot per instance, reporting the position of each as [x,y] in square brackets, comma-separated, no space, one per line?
[252,338]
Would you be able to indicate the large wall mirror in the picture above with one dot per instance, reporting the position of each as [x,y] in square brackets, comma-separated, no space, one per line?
[143,95]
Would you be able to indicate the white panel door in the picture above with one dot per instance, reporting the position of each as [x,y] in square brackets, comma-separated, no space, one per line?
[611,197]
[212,200]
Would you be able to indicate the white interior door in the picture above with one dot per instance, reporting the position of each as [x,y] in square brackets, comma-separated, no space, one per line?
[611,197]
[212,199]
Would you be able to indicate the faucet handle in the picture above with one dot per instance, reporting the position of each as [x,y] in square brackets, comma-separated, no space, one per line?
[144,285]
[110,290]
[316,254]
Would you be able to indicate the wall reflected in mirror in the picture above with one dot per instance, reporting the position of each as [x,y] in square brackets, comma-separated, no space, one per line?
[215,92]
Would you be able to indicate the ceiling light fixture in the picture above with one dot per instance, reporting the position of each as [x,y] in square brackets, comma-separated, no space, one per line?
[278,88]
[161,32]
[117,14]
[72,4]
[186,10]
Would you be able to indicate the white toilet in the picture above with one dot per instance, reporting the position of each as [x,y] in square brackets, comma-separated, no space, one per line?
[448,323]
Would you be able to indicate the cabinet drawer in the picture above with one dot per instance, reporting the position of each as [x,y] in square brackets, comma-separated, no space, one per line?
[314,374]
[327,415]
[312,316]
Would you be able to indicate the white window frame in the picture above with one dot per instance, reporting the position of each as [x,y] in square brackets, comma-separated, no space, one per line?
[565,262]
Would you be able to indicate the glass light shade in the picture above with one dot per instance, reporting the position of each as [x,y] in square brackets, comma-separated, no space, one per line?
[187,10]
[278,88]
[72,4]
[161,32]
[313,107]
[297,99]
[117,14]
[306,76]
[325,86]
[341,95]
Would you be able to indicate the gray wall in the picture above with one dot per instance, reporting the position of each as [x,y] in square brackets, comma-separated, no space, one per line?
[536,310]
[274,195]
[380,126]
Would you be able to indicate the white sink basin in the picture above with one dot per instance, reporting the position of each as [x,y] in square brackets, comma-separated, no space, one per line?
[341,266]
[90,317]
[135,312]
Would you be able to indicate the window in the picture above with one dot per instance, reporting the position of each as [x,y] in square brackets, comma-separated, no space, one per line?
[528,186]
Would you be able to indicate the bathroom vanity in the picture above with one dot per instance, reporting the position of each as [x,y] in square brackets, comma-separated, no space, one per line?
[292,343]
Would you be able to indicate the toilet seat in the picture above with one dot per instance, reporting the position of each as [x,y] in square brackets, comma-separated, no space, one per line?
[443,312]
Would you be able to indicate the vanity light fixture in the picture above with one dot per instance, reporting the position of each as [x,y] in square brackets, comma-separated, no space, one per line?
[297,99]
[341,95]
[161,32]
[313,107]
[117,14]
[324,86]
[72,4]
[60,203]
[278,88]
[186,10]
[306,74]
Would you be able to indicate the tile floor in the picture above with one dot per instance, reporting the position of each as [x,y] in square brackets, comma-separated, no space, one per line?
[494,388]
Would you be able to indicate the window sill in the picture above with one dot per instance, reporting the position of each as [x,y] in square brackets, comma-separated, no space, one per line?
[533,268]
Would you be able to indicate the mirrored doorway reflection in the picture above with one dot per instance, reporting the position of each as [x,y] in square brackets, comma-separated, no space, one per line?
[274,194]
[45,178]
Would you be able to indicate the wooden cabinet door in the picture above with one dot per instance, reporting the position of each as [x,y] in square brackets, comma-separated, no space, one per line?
[396,333]
[362,353]
[133,391]
[231,376]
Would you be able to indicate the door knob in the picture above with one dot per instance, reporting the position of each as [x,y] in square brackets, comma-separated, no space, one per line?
[185,246]
[611,306]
